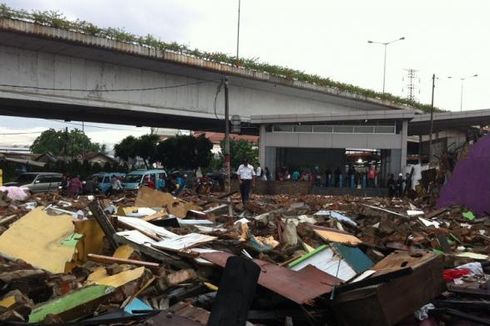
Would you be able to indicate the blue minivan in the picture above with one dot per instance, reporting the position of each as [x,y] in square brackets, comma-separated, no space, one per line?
[135,179]
[104,180]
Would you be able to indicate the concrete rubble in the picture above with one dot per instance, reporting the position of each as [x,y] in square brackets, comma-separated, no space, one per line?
[152,259]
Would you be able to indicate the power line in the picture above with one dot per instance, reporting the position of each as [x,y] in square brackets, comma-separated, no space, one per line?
[20,133]
[94,126]
[104,90]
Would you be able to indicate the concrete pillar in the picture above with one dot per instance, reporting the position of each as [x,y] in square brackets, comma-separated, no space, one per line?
[420,149]
[262,141]
[404,139]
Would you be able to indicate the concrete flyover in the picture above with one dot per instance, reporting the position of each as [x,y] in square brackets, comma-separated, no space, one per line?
[52,73]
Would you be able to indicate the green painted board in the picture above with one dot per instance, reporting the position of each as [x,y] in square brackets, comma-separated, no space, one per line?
[354,256]
[69,301]
[306,256]
[72,240]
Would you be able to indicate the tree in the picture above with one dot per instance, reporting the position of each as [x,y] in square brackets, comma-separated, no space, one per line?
[185,152]
[126,149]
[64,143]
[241,150]
[143,147]
[146,147]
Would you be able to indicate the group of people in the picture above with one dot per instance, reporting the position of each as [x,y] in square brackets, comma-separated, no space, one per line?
[337,178]
[73,186]
[400,186]
[175,184]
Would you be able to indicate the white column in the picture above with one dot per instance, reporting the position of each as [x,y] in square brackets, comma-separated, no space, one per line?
[403,146]
[262,143]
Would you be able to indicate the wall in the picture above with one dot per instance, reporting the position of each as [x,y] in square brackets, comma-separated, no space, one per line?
[331,140]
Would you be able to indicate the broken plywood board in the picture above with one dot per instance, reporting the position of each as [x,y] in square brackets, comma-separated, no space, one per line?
[183,241]
[146,227]
[333,235]
[148,197]
[341,261]
[301,287]
[31,240]
[144,244]
[325,259]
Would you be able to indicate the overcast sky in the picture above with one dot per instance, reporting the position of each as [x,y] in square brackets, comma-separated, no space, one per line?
[325,37]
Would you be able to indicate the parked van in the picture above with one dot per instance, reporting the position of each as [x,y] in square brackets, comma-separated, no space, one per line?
[104,180]
[35,182]
[135,179]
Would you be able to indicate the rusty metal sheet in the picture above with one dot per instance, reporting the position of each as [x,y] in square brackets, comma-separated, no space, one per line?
[301,286]
[186,310]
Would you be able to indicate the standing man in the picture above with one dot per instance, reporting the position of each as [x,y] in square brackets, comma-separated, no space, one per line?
[246,176]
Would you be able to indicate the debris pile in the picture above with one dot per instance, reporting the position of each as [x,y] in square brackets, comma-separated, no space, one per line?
[152,258]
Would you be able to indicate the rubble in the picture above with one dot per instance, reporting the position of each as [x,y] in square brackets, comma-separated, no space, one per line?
[301,260]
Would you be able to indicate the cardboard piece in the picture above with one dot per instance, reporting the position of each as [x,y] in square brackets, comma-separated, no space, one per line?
[31,240]
[148,197]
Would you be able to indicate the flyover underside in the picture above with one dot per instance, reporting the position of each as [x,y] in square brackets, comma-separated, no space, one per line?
[61,111]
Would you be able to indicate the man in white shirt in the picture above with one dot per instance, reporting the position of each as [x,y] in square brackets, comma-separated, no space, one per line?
[246,176]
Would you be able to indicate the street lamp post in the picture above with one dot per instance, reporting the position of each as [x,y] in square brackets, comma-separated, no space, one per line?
[462,79]
[384,64]
[238,33]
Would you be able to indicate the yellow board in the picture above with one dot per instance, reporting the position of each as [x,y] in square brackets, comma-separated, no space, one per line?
[125,251]
[7,302]
[122,278]
[36,238]
[337,236]
[124,211]
[98,274]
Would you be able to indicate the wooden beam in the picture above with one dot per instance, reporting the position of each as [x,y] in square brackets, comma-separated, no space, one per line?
[113,260]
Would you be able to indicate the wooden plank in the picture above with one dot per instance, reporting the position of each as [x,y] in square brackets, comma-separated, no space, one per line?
[72,303]
[113,260]
[104,222]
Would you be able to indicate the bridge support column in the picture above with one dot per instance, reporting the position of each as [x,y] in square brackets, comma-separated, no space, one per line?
[262,146]
[404,139]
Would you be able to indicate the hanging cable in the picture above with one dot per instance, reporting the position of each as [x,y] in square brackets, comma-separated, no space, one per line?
[218,90]
[106,90]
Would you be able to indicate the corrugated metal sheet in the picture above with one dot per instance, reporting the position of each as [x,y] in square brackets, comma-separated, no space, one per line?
[301,287]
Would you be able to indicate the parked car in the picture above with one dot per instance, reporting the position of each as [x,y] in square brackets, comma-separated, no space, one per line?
[135,179]
[35,182]
[104,180]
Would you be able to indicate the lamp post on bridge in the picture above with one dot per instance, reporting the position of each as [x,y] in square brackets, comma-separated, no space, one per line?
[462,79]
[385,44]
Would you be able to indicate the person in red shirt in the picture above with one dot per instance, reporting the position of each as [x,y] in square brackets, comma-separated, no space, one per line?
[149,182]
[372,174]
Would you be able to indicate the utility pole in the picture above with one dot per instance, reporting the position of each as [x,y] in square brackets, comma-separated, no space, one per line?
[227,148]
[238,34]
[66,144]
[461,98]
[431,117]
